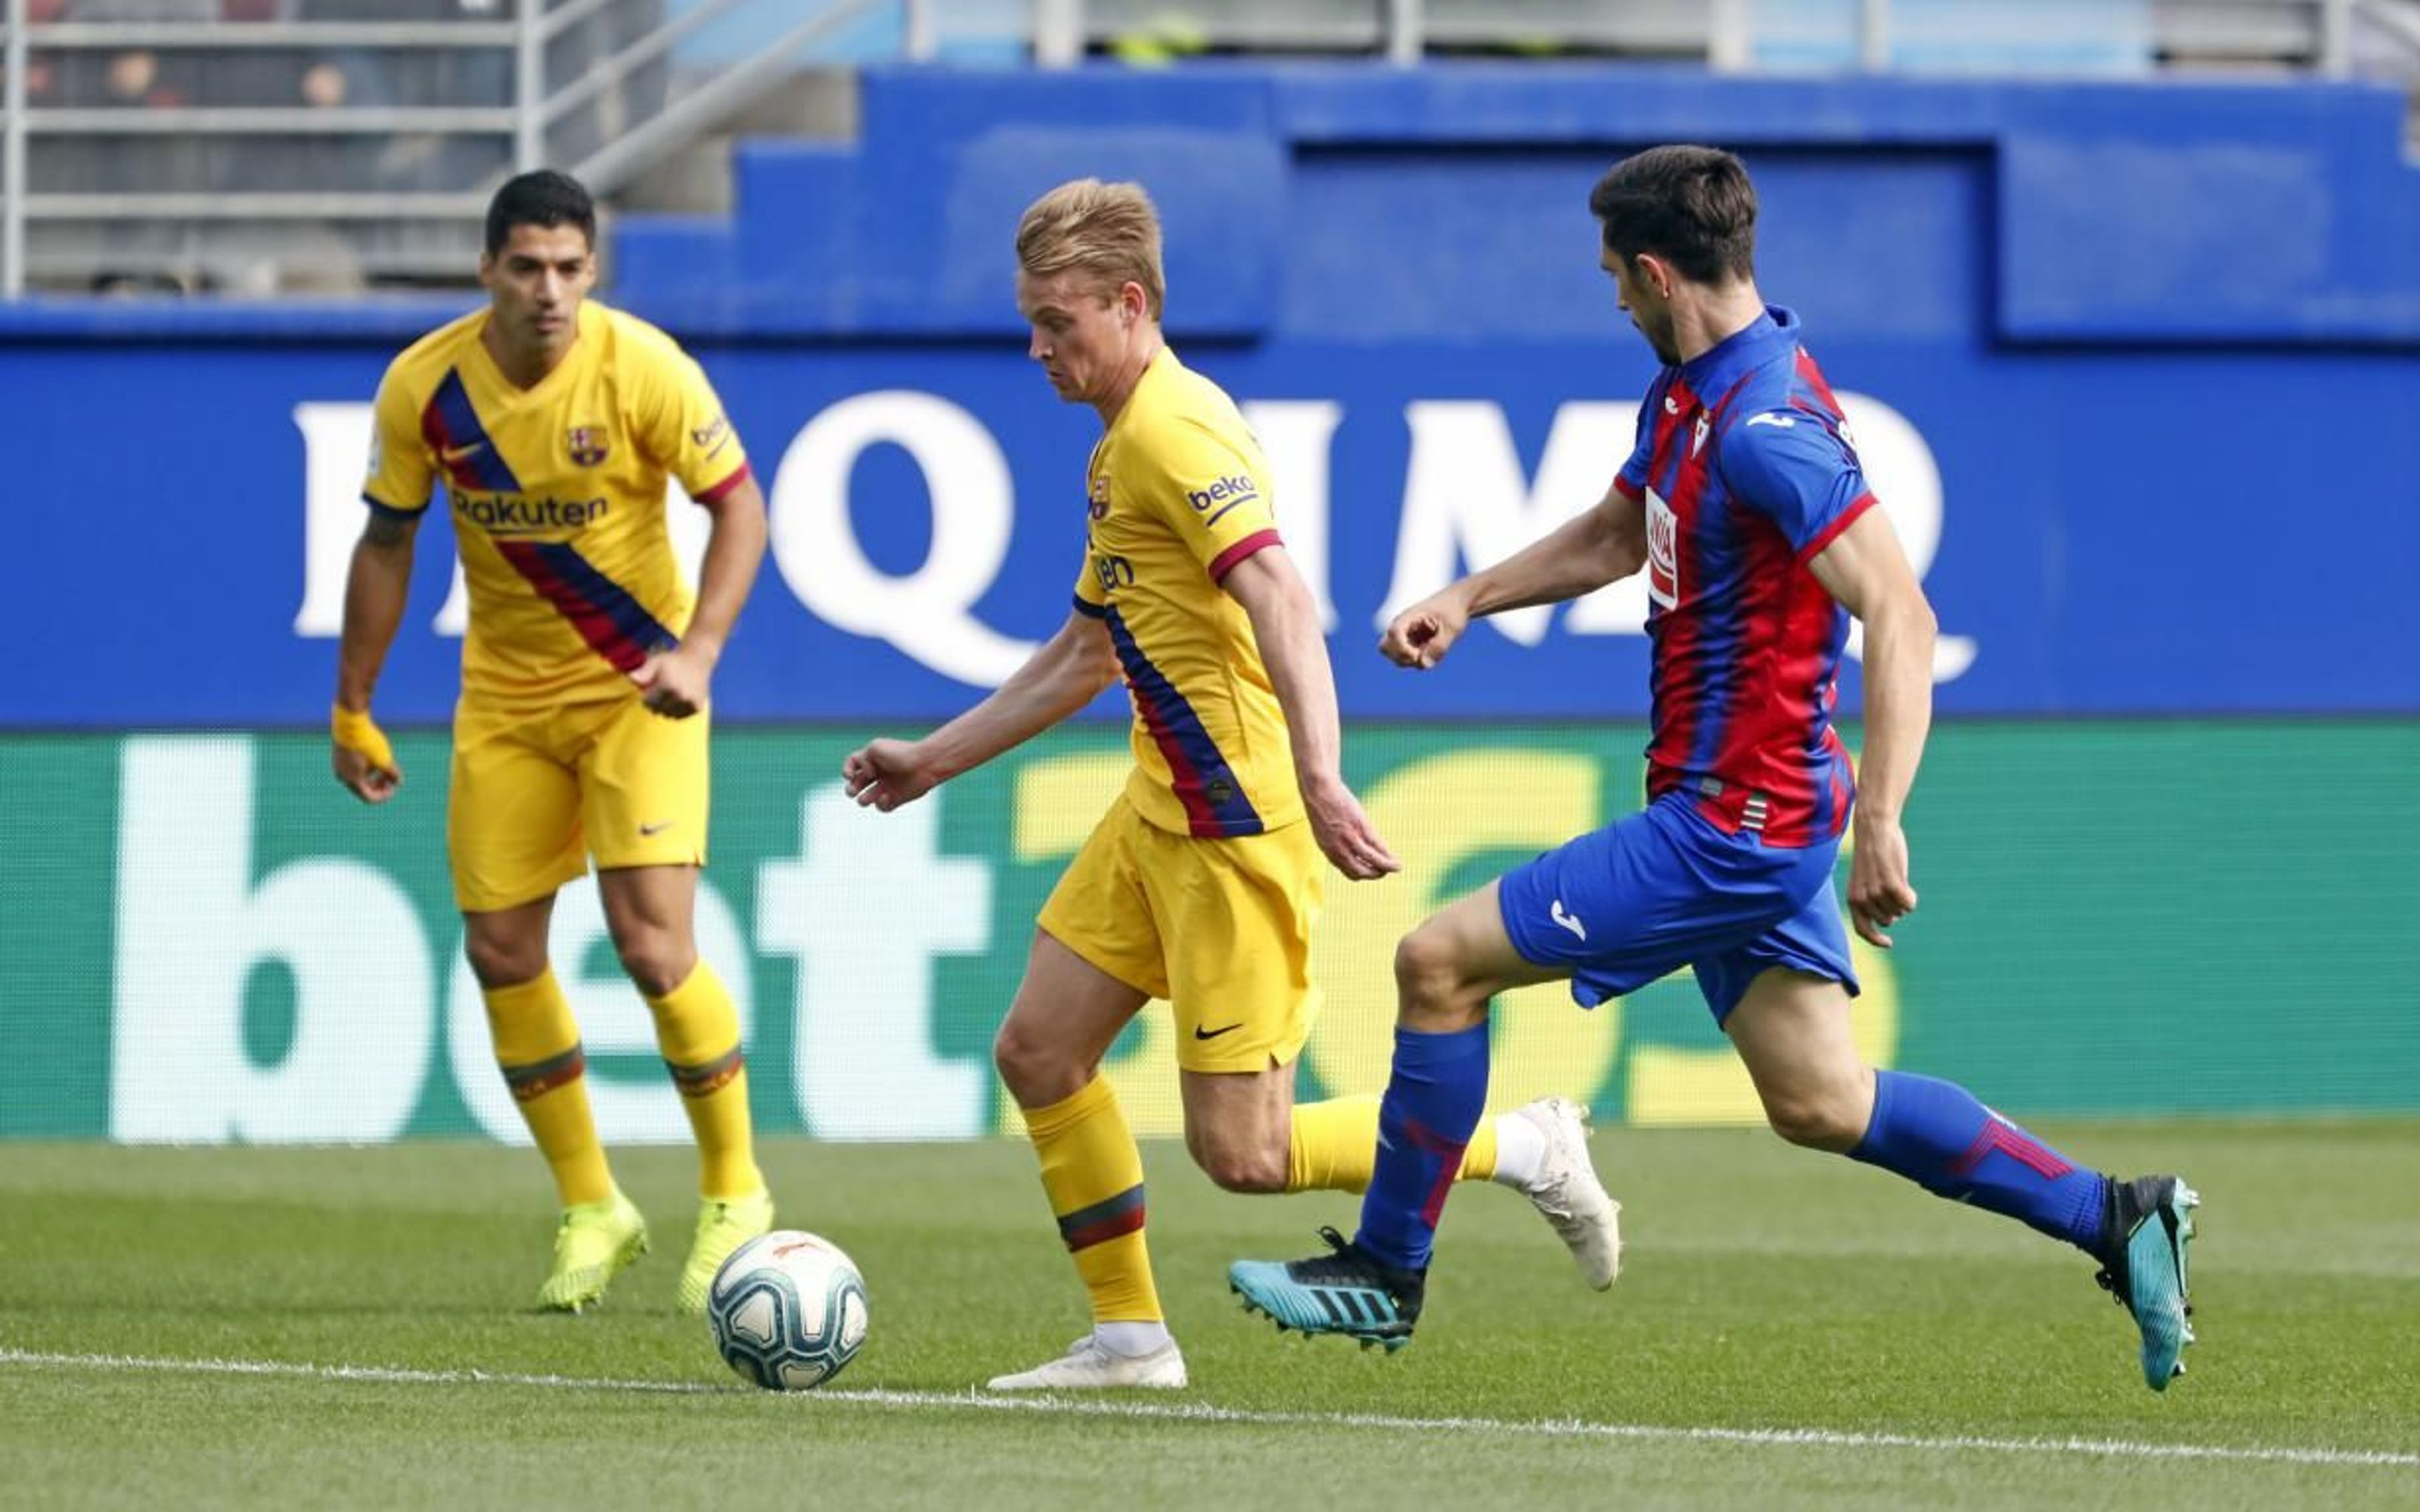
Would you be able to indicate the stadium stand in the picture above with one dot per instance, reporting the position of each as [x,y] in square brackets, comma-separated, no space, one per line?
[260,146]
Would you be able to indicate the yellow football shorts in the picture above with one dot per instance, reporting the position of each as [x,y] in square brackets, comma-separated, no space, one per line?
[1220,928]
[535,793]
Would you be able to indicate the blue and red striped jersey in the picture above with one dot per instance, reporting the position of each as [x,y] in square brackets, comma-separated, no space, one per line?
[1747,471]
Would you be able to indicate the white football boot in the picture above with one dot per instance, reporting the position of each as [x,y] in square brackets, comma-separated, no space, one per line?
[1568,1195]
[1089,1367]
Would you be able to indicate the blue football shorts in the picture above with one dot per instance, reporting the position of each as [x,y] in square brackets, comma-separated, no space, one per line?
[1665,889]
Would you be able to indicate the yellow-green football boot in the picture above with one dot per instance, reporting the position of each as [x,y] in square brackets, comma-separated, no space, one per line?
[595,1243]
[723,1225]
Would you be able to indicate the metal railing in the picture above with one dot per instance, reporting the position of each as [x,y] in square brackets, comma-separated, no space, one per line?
[533,120]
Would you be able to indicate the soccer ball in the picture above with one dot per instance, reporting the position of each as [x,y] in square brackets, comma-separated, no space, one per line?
[789,1310]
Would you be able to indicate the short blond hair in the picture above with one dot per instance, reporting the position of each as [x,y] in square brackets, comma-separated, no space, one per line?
[1111,231]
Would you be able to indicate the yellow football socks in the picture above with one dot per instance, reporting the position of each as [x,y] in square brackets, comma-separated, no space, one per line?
[1335,1147]
[537,1045]
[697,1029]
[1092,1173]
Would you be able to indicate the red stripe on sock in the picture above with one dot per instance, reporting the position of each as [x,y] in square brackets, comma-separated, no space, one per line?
[1450,1157]
[2015,1144]
[1113,1227]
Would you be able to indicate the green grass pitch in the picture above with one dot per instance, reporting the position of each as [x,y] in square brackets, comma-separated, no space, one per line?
[1789,1331]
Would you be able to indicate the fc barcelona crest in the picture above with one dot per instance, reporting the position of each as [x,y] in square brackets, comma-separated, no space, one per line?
[587,444]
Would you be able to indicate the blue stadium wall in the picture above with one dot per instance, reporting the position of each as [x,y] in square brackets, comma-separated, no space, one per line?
[2133,365]
[2157,341]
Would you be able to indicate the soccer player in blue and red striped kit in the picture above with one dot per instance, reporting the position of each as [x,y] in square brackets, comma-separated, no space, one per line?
[1745,504]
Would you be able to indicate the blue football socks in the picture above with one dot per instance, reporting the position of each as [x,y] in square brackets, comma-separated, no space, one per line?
[1936,1135]
[1432,1103]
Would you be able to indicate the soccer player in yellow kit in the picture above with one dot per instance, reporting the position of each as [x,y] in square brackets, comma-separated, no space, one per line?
[552,424]
[1201,882]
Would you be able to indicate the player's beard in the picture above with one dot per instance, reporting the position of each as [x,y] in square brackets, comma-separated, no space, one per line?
[1667,351]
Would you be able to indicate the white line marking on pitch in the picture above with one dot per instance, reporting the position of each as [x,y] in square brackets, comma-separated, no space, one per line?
[1203,1413]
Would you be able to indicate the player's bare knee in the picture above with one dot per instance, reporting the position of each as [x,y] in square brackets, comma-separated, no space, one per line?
[1012,1053]
[1818,1118]
[1036,1071]
[1239,1167]
[499,961]
[656,963]
[1251,1172]
[1433,991]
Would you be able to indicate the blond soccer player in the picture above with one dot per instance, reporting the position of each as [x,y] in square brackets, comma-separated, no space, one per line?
[552,424]
[1201,884]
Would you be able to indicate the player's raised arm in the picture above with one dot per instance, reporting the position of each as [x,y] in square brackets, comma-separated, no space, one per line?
[1582,555]
[376,586]
[1067,672]
[1285,625]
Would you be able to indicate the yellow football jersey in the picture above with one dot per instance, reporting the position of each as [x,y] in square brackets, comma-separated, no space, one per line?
[1179,493]
[557,494]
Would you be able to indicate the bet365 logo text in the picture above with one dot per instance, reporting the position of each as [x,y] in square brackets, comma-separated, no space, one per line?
[287,967]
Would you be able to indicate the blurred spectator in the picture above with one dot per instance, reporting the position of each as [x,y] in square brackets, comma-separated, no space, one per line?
[240,256]
[131,78]
[430,75]
[324,86]
[137,79]
[314,162]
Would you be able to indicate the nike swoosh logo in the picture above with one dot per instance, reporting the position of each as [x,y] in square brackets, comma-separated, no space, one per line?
[452,455]
[1567,922]
[1201,1033]
[645,830]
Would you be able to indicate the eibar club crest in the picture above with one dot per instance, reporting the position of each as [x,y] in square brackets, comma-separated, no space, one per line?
[586,444]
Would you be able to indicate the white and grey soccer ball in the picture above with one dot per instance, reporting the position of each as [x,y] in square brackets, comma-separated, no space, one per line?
[789,1310]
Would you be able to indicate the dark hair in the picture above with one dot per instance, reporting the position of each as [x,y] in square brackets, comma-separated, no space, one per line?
[544,198]
[1691,206]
